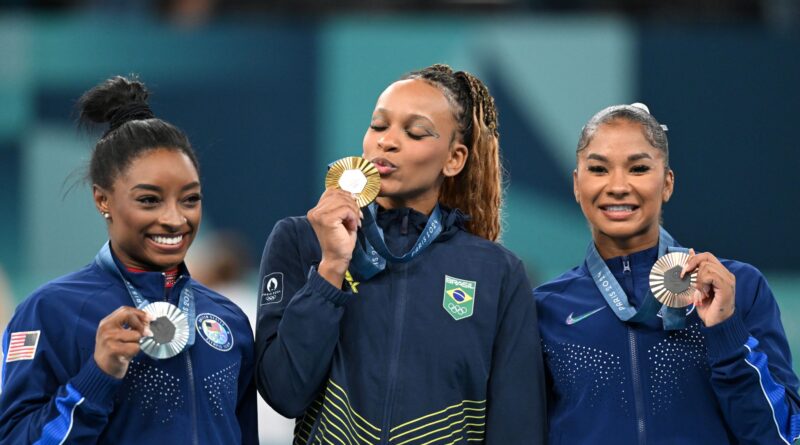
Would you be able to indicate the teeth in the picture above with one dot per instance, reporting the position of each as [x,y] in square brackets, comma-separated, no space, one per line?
[168,240]
[619,208]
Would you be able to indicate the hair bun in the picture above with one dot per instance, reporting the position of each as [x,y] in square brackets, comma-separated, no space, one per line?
[641,106]
[117,100]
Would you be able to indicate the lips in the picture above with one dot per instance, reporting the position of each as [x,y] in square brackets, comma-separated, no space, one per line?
[167,242]
[384,166]
[618,212]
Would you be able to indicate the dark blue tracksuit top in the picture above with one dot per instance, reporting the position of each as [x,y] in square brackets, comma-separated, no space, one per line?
[637,384]
[204,395]
[443,349]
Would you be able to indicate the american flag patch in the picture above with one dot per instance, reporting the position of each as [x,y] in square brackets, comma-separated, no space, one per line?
[22,346]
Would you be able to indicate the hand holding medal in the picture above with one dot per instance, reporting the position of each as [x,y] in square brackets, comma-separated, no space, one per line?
[351,183]
[117,339]
[715,292]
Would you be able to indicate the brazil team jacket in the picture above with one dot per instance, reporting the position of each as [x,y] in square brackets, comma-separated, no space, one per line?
[443,349]
[625,383]
[204,395]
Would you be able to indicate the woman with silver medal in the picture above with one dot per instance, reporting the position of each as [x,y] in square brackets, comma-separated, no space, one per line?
[647,341]
[130,349]
[400,321]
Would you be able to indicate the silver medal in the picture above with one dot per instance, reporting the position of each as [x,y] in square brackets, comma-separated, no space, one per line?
[170,331]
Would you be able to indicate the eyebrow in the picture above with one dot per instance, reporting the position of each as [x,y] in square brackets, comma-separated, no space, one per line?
[155,188]
[412,116]
[631,158]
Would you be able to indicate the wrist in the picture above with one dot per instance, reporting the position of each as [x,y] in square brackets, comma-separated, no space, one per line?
[718,318]
[333,271]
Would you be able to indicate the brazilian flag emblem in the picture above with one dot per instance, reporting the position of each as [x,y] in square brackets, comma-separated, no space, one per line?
[459,297]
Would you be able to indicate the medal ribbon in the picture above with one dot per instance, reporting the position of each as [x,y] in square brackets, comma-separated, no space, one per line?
[672,318]
[371,252]
[185,304]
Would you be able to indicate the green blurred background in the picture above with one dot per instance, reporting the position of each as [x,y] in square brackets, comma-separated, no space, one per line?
[269,98]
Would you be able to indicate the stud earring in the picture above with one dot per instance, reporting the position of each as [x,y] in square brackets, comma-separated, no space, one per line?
[106,215]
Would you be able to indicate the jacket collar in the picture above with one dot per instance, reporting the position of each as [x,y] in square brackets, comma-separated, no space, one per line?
[152,284]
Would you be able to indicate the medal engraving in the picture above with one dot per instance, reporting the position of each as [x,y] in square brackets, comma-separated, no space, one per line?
[163,330]
[666,283]
[357,176]
[170,331]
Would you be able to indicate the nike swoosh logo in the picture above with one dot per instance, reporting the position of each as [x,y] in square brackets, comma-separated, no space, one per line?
[572,320]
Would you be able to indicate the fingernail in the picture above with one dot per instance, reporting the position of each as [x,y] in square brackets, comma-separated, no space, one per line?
[151,317]
[148,332]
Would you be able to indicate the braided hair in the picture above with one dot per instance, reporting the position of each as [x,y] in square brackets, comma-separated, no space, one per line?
[477,190]
[133,129]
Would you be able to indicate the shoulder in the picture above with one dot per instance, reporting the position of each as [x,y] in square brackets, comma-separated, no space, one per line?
[564,283]
[292,227]
[59,304]
[69,291]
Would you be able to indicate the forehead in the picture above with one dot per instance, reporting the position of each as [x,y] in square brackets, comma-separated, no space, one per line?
[620,139]
[160,166]
[414,96]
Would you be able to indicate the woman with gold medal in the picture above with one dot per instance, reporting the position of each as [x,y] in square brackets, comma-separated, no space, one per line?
[130,349]
[647,342]
[402,322]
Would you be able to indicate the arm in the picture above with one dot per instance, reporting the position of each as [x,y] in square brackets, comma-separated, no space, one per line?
[751,371]
[51,397]
[516,400]
[298,325]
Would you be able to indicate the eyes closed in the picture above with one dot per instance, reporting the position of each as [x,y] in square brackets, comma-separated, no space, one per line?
[416,129]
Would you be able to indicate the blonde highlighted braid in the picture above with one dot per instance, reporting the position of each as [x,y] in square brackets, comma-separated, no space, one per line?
[478,189]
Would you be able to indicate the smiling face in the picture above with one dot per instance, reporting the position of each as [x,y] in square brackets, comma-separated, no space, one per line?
[621,182]
[414,142]
[154,210]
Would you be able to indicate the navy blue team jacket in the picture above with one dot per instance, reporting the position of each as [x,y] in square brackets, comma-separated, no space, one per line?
[204,395]
[625,383]
[400,359]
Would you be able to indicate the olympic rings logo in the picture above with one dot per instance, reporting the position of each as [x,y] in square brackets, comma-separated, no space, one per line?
[457,309]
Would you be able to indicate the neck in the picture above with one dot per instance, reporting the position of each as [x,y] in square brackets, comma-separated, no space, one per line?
[130,263]
[422,205]
[610,246]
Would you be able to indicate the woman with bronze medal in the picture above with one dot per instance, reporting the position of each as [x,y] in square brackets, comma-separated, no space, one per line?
[648,342]
[130,349]
[401,321]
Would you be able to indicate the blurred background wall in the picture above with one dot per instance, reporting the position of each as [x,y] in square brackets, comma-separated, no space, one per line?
[270,93]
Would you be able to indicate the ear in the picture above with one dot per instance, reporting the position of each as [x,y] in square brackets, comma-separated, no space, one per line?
[575,190]
[456,160]
[669,186]
[100,196]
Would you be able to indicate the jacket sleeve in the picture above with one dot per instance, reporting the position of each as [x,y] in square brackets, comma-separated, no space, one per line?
[246,409]
[751,369]
[51,398]
[516,411]
[298,324]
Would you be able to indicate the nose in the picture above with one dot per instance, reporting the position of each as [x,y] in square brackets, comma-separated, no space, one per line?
[618,185]
[388,140]
[172,218]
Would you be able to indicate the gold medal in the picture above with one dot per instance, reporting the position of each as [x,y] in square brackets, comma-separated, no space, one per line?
[170,331]
[357,176]
[666,283]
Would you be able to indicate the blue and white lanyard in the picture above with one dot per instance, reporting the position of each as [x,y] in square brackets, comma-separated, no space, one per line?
[371,253]
[186,303]
[672,318]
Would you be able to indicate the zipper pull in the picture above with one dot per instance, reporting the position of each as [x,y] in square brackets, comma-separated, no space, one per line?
[626,266]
